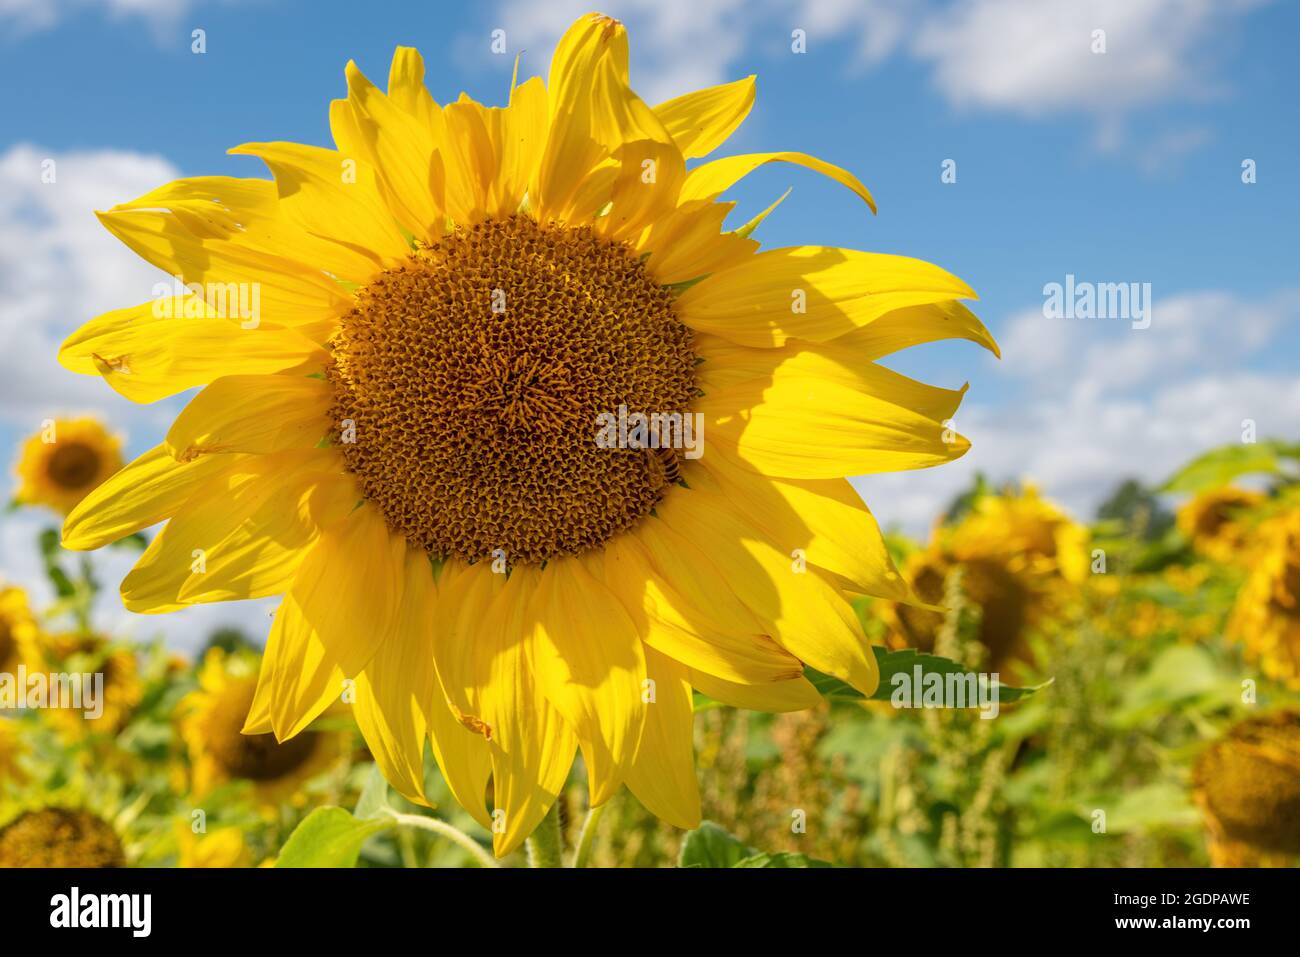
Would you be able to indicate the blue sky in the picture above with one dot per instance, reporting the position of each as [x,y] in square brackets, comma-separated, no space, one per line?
[1122,166]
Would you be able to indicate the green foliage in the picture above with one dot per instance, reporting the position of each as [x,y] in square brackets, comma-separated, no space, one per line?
[1223,465]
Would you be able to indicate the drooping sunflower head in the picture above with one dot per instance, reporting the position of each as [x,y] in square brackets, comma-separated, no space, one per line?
[60,837]
[1214,521]
[1248,784]
[212,720]
[110,666]
[1266,616]
[61,464]
[1017,554]
[529,440]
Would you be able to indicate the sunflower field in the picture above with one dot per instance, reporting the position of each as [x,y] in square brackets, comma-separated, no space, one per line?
[1148,713]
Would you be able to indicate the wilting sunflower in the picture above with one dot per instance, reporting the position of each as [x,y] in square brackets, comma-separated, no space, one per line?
[212,720]
[1266,617]
[77,653]
[18,631]
[1213,521]
[453,306]
[1248,786]
[60,464]
[1018,553]
[60,837]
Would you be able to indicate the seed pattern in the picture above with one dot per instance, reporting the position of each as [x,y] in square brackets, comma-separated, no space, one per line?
[473,376]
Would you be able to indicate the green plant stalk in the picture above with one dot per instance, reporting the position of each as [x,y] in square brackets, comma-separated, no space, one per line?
[443,829]
[587,839]
[545,847]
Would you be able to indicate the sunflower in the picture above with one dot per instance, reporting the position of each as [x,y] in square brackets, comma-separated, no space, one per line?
[1018,553]
[18,631]
[60,837]
[448,420]
[1248,787]
[1266,616]
[93,654]
[68,458]
[1212,521]
[211,721]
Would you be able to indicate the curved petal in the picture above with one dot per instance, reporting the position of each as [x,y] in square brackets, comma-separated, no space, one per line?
[394,690]
[797,694]
[152,488]
[711,179]
[253,413]
[811,292]
[663,777]
[592,666]
[159,348]
[807,616]
[701,121]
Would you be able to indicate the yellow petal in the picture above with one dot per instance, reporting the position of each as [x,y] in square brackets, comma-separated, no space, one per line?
[153,487]
[807,616]
[712,178]
[333,196]
[812,419]
[401,149]
[460,745]
[242,534]
[253,413]
[349,586]
[825,521]
[248,285]
[592,666]
[406,86]
[811,292]
[302,678]
[663,777]
[395,688]
[532,746]
[797,694]
[156,349]
[669,624]
[701,121]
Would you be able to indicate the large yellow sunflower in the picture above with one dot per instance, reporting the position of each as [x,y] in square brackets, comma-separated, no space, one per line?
[440,318]
[64,461]
[1266,616]
[211,721]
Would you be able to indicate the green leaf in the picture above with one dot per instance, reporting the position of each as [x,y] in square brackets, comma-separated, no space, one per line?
[781,859]
[711,846]
[328,837]
[905,662]
[1220,466]
[373,801]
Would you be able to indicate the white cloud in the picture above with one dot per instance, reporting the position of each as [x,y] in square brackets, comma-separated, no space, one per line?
[32,16]
[58,268]
[1093,402]
[1028,57]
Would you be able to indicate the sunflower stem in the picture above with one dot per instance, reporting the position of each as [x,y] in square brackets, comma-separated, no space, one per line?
[545,845]
[443,829]
[587,839]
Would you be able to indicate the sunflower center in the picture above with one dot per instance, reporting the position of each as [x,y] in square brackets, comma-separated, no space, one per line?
[73,465]
[59,837]
[471,380]
[7,644]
